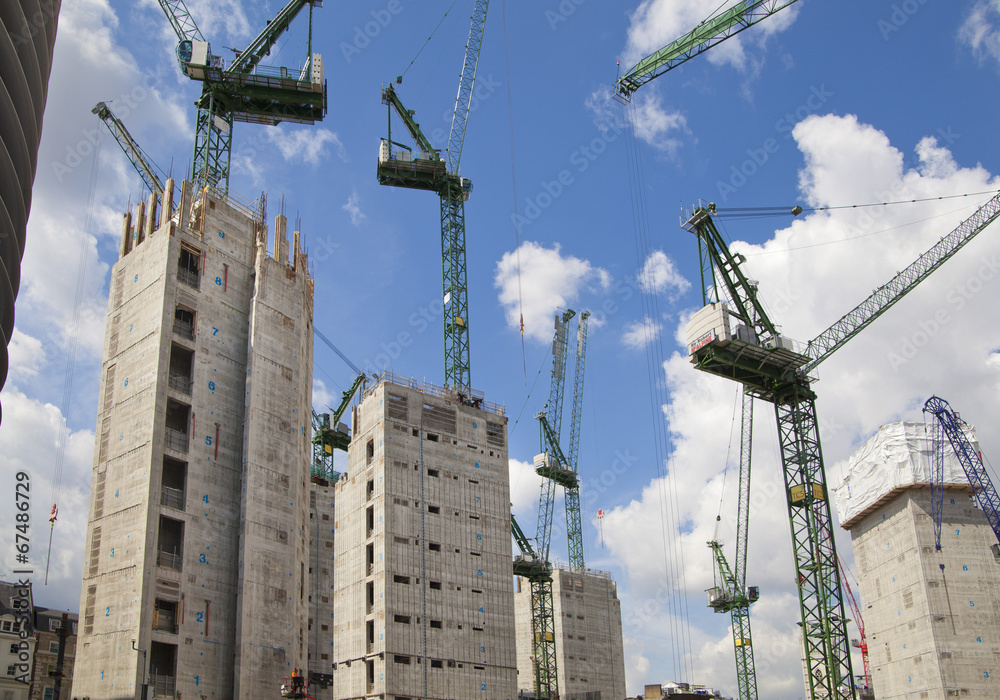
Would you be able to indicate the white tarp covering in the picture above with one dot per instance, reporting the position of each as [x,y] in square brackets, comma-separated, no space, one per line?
[898,455]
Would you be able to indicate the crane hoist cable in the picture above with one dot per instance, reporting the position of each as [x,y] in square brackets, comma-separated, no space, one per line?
[729,451]
[431,36]
[658,396]
[73,337]
[513,177]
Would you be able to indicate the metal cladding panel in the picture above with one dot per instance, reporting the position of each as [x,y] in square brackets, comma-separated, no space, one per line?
[708,324]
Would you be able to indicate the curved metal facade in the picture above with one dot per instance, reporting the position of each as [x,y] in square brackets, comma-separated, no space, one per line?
[27,36]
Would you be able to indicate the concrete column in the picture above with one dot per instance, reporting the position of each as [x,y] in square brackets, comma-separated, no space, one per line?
[281,239]
[184,205]
[126,234]
[167,207]
[150,225]
[140,222]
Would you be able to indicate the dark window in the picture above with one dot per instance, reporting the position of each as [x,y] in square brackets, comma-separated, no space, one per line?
[172,480]
[184,322]
[188,266]
[170,547]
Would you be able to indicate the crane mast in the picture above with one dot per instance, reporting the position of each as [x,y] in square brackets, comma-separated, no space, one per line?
[574,521]
[140,161]
[716,29]
[432,172]
[538,571]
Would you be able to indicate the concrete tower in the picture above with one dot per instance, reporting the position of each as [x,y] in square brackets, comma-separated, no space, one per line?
[932,618]
[590,658]
[423,606]
[197,545]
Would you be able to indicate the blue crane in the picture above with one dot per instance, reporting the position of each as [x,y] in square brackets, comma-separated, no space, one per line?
[950,425]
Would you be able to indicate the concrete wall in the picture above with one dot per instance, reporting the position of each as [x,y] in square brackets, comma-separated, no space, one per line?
[932,632]
[588,631]
[272,604]
[322,517]
[427,501]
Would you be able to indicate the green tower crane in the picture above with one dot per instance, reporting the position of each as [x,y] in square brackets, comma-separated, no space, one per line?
[429,171]
[717,28]
[538,572]
[553,470]
[327,433]
[574,523]
[771,368]
[243,91]
[731,593]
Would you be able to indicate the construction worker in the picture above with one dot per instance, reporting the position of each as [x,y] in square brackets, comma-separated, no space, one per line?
[296,683]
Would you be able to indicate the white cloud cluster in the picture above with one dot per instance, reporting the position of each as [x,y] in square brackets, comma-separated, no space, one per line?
[534,281]
[981,30]
[308,145]
[659,275]
[30,434]
[353,208]
[639,334]
[810,274]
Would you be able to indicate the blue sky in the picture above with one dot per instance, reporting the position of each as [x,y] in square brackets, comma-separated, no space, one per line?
[824,104]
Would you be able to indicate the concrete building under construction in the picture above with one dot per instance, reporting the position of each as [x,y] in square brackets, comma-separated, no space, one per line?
[198,543]
[423,570]
[588,630]
[931,616]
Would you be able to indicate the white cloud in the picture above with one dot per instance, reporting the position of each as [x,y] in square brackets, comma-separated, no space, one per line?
[980,32]
[352,207]
[322,397]
[26,355]
[810,274]
[525,486]
[659,275]
[548,280]
[639,334]
[30,434]
[307,144]
[653,123]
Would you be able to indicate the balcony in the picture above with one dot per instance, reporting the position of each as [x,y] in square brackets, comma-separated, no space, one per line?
[189,277]
[184,329]
[180,383]
[162,686]
[172,498]
[175,439]
[170,560]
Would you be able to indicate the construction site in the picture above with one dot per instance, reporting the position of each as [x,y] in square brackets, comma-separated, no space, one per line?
[268,520]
